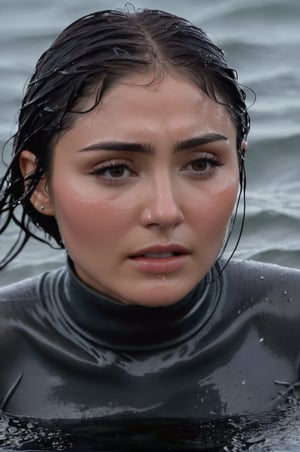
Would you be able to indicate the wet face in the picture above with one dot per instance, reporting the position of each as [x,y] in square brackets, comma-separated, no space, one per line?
[143,188]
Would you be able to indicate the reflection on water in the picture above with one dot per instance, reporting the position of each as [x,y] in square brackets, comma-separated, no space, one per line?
[277,432]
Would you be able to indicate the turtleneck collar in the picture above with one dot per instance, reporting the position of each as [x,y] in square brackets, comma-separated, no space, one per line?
[123,327]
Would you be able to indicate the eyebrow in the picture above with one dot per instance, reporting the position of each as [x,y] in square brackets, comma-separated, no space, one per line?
[199,141]
[119,146]
[147,148]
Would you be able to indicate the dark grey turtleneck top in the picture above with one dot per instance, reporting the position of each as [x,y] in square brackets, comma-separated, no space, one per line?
[230,347]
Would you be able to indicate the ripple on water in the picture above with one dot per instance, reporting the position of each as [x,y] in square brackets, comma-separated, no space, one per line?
[279,431]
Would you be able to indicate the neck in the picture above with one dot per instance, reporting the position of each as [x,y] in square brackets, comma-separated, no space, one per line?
[133,327]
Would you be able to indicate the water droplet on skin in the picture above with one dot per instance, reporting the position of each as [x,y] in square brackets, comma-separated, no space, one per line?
[243,382]
[266,299]
[261,339]
[239,311]
[285,292]
[290,300]
[262,277]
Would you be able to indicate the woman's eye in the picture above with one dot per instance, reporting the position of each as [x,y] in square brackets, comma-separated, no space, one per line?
[116,171]
[113,171]
[202,165]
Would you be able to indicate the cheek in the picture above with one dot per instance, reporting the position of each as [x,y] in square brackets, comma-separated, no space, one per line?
[223,206]
[84,220]
[214,212]
[225,199]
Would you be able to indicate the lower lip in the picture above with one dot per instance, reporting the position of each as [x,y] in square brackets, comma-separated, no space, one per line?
[160,265]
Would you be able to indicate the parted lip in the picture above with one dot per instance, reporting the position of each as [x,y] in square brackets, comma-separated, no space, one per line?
[161,249]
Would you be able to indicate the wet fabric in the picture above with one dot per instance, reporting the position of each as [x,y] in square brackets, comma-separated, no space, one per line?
[230,347]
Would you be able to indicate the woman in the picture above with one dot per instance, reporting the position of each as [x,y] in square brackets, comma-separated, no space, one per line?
[130,154]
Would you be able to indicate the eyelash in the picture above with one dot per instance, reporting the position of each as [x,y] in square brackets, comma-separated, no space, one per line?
[212,162]
[109,166]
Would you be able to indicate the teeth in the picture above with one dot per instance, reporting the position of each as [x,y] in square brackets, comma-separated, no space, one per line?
[158,255]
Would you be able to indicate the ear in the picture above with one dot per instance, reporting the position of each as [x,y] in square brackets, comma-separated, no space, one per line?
[40,198]
[244,146]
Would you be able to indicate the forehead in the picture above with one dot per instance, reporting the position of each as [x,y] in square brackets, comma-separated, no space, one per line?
[141,107]
[146,96]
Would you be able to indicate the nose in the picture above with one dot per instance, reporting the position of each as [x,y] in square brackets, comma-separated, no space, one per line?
[161,205]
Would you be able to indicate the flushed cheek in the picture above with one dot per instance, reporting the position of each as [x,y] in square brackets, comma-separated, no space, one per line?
[89,222]
[210,219]
[224,200]
[217,201]
[222,209]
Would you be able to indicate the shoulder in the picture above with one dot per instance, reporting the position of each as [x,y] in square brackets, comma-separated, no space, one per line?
[258,281]
[21,290]
[260,271]
[27,290]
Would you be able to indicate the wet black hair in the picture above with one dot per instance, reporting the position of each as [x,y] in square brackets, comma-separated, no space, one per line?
[89,56]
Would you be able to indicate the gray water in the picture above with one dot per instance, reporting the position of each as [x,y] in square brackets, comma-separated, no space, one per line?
[262,41]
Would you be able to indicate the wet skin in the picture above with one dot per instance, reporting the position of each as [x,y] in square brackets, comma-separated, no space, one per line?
[143,188]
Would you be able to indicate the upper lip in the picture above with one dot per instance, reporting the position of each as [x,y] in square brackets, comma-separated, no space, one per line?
[160,249]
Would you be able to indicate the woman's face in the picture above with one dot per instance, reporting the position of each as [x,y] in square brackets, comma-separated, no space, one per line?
[143,187]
